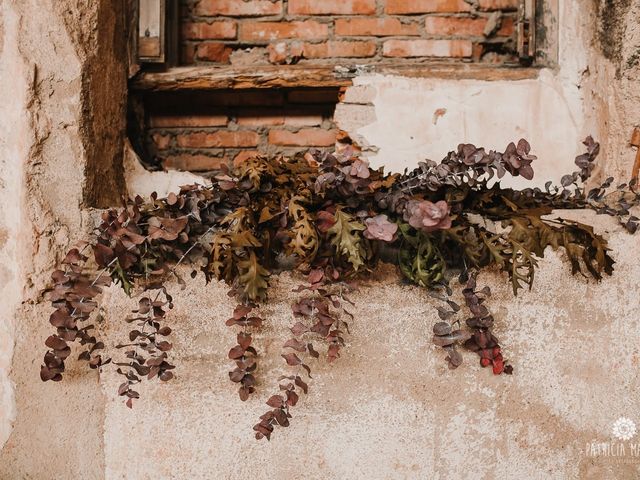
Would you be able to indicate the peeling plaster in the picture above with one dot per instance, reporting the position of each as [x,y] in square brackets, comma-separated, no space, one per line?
[553,111]
[489,114]
[143,182]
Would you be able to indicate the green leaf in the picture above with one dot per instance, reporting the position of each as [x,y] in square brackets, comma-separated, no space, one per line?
[522,265]
[419,259]
[119,275]
[346,238]
[463,239]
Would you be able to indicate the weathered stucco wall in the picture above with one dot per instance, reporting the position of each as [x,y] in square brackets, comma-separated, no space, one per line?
[11,192]
[51,116]
[388,408]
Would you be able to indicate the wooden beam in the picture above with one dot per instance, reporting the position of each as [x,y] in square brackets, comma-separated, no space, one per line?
[303,76]
[218,78]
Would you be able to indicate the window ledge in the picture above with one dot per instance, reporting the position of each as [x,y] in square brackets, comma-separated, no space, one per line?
[305,76]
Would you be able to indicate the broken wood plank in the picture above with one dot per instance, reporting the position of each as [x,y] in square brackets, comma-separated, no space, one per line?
[211,78]
[304,76]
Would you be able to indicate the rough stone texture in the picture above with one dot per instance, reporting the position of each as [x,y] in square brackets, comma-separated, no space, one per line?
[616,96]
[11,276]
[389,408]
[49,113]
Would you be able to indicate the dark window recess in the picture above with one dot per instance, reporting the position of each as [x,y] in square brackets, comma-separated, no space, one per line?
[199,131]
[222,80]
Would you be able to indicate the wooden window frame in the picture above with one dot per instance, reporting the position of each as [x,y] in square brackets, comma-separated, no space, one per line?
[159,73]
[167,26]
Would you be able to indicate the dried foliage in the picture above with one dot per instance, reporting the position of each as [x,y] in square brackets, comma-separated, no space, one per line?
[332,217]
[318,315]
[147,340]
[243,353]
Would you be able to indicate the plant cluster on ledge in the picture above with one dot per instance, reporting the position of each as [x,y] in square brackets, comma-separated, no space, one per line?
[332,217]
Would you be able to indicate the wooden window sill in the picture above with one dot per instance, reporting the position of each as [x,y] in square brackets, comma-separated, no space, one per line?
[306,76]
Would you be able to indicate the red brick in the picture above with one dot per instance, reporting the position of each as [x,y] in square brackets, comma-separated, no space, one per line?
[244,156]
[458,26]
[240,98]
[182,121]
[426,6]
[379,27]
[214,52]
[222,138]
[212,101]
[281,53]
[308,115]
[427,48]
[209,31]
[335,48]
[268,31]
[259,118]
[303,120]
[239,8]
[455,26]
[498,4]
[507,28]
[278,53]
[477,52]
[161,141]
[194,163]
[332,7]
[306,137]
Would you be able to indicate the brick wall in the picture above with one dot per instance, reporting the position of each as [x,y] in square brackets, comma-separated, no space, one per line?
[330,31]
[198,132]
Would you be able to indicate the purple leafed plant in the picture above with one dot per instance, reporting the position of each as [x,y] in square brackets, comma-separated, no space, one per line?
[333,218]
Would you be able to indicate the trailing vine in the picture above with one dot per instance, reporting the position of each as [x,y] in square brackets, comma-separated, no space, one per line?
[332,217]
[243,354]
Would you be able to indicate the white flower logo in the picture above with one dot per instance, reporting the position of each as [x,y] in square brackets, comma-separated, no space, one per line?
[624,429]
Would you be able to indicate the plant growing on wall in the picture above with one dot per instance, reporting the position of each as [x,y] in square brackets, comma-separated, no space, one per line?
[331,217]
